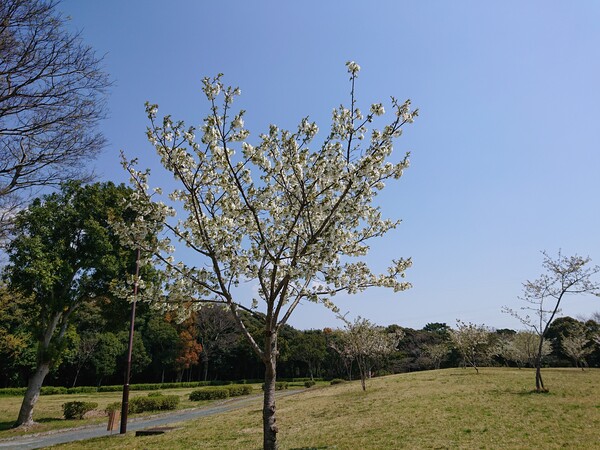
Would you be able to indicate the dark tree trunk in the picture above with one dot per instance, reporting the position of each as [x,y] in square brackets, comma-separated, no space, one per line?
[539,383]
[204,358]
[76,376]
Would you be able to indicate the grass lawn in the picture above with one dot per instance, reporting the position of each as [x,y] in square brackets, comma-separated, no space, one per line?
[453,408]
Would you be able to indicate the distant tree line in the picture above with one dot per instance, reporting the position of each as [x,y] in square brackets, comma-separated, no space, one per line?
[208,346]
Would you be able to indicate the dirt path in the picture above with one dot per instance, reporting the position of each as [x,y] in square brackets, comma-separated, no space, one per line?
[40,440]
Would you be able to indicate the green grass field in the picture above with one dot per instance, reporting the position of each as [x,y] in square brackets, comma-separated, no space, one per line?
[453,408]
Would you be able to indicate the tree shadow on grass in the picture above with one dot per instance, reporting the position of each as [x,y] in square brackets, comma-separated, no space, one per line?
[6,425]
[9,425]
[534,392]
[313,448]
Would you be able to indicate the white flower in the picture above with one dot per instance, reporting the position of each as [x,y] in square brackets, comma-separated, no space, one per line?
[377,109]
[238,122]
[353,68]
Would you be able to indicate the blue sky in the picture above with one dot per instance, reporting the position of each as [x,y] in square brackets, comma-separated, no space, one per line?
[505,154]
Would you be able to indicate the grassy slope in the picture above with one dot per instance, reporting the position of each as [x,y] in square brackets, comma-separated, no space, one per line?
[454,408]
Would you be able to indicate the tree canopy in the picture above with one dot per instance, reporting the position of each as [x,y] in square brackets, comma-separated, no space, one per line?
[289,214]
[52,89]
[64,255]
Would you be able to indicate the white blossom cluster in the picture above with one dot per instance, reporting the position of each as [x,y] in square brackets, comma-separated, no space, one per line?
[286,212]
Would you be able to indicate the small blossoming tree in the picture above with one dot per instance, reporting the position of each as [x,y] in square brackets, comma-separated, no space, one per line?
[565,275]
[293,219]
[365,343]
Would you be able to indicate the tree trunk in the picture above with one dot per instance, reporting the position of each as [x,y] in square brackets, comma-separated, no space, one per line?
[539,383]
[269,425]
[204,357]
[76,376]
[32,394]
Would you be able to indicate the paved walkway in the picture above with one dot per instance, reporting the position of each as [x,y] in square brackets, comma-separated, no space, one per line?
[40,440]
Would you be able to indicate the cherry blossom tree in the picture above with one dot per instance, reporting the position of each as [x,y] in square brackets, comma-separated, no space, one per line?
[565,275]
[289,215]
[576,345]
[365,343]
[475,343]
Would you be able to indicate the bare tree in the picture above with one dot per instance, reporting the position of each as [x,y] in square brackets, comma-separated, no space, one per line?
[564,275]
[217,330]
[51,99]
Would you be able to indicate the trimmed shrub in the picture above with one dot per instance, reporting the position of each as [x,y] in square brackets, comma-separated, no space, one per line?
[209,394]
[76,410]
[337,381]
[237,390]
[111,407]
[110,388]
[309,383]
[145,387]
[154,403]
[82,390]
[53,390]
[12,391]
[155,394]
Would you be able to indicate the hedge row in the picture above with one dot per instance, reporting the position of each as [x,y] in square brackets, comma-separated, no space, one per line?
[54,390]
[220,393]
[155,401]
[49,390]
[157,386]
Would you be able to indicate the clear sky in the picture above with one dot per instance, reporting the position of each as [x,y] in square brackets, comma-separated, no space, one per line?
[505,154]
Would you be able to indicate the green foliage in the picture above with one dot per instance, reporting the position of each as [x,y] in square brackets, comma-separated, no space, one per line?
[112,407]
[50,390]
[17,344]
[209,394]
[309,383]
[6,392]
[65,254]
[153,403]
[106,354]
[237,390]
[161,342]
[76,410]
[155,394]
[53,390]
[82,390]
[337,381]
[309,347]
[114,388]
[185,384]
